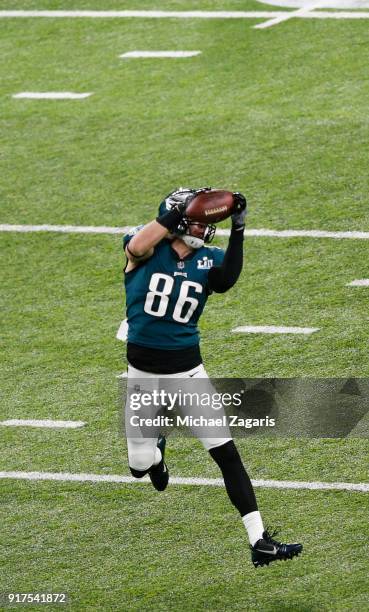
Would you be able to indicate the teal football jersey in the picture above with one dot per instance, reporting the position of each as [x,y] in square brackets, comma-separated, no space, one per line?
[165,296]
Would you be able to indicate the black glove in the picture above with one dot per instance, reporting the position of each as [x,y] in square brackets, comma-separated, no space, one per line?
[180,199]
[177,201]
[240,211]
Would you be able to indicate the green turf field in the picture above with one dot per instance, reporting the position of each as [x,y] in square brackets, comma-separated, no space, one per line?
[280,115]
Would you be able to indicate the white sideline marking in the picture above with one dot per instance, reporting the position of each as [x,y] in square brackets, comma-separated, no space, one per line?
[149,54]
[364,282]
[272,329]
[263,233]
[215,482]
[51,95]
[42,423]
[186,14]
[301,12]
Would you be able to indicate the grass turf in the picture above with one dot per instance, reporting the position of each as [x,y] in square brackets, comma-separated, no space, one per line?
[129,548]
[279,114]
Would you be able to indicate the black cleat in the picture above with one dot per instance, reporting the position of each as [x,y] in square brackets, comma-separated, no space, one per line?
[268,550]
[159,474]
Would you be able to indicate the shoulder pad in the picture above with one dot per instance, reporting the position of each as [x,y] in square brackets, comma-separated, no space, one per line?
[217,254]
[131,233]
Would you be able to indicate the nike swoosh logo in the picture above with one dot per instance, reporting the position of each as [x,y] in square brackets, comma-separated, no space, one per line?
[268,552]
[191,375]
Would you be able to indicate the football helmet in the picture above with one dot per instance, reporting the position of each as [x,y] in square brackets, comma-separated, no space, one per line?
[193,233]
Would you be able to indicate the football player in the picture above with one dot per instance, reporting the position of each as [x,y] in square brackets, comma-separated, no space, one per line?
[169,275]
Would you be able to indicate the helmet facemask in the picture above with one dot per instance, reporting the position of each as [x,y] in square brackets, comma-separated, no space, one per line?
[196,239]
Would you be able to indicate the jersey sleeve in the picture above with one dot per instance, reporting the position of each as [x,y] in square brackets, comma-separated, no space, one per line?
[223,276]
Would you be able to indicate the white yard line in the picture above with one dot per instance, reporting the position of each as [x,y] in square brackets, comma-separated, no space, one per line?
[215,482]
[65,229]
[51,95]
[301,12]
[364,282]
[42,423]
[159,54]
[247,329]
[272,329]
[353,235]
[186,14]
[262,233]
[143,14]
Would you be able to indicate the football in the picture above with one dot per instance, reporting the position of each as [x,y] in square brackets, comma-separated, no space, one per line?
[211,206]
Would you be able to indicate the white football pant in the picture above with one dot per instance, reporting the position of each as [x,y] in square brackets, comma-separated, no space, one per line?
[142,451]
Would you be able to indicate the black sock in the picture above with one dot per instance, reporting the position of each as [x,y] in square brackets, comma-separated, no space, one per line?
[238,484]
